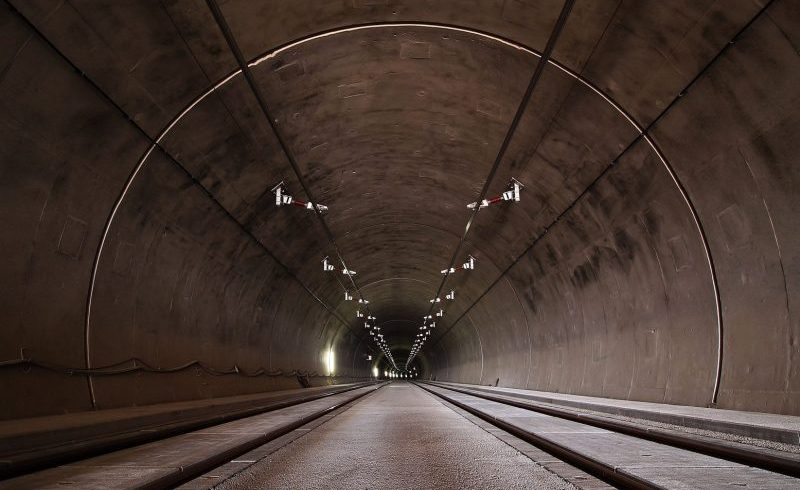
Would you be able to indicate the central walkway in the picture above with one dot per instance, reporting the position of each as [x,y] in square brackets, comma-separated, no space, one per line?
[399,437]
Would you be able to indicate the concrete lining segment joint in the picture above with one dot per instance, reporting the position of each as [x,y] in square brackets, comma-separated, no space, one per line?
[275,52]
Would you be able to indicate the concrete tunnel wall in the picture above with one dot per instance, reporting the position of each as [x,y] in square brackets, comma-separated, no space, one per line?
[116,252]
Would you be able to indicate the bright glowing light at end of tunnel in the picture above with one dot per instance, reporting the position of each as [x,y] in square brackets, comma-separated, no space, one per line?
[375,372]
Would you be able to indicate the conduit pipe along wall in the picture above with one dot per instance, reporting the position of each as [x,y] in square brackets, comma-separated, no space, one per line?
[394,111]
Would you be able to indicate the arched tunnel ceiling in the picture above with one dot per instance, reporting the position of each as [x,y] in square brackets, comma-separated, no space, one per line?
[395,110]
[395,127]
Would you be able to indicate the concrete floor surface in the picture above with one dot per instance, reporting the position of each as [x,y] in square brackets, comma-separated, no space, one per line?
[400,437]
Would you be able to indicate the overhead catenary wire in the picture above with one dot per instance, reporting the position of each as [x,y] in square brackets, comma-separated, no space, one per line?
[644,133]
[558,27]
[233,45]
[154,144]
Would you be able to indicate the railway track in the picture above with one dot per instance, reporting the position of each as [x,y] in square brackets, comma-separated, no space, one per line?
[622,453]
[165,456]
[613,450]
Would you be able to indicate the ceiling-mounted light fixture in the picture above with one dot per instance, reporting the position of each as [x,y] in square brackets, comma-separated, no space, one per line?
[512,194]
[469,264]
[281,198]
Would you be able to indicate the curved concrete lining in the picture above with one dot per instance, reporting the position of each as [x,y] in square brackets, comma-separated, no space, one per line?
[141,235]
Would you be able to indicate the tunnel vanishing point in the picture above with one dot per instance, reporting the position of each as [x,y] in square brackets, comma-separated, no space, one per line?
[204,201]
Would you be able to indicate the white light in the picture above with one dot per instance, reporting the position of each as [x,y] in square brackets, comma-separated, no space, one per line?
[329,361]
[469,264]
[276,53]
[484,203]
[513,193]
[278,190]
[375,372]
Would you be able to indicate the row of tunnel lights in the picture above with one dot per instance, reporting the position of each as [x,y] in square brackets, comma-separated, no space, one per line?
[401,375]
[428,323]
[369,320]
[281,199]
[512,195]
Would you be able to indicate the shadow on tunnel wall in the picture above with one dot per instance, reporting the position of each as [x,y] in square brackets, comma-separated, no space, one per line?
[617,300]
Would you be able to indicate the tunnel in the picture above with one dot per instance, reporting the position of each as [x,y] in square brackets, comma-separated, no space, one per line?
[215,200]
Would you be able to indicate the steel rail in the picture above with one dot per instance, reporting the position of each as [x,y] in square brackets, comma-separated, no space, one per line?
[766,459]
[603,471]
[36,460]
[200,468]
